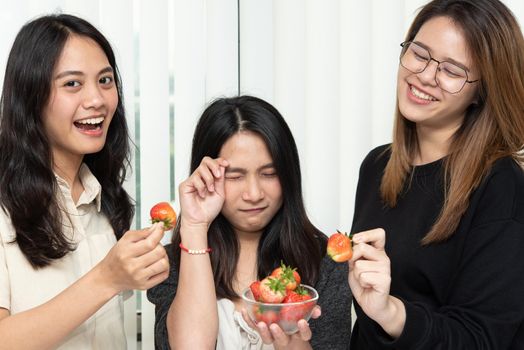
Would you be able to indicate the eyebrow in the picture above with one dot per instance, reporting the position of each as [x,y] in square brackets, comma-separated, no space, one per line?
[446,59]
[244,171]
[66,73]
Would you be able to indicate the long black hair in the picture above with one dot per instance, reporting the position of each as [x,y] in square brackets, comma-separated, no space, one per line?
[290,236]
[27,182]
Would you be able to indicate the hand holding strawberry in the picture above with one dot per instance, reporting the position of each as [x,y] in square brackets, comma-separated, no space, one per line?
[163,212]
[136,261]
[370,281]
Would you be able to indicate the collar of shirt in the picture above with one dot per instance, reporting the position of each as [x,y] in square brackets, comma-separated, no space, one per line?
[92,188]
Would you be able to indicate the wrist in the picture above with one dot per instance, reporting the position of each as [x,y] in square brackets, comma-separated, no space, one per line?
[193,231]
[101,278]
[394,318]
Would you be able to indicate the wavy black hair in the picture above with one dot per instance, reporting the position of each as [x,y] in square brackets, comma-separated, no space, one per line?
[28,185]
[290,236]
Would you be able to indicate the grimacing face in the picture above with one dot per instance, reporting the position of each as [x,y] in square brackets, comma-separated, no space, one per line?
[253,194]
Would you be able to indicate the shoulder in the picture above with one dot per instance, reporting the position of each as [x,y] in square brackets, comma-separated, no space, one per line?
[7,231]
[376,158]
[500,196]
[332,273]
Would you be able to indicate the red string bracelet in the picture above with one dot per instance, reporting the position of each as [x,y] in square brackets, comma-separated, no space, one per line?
[195,251]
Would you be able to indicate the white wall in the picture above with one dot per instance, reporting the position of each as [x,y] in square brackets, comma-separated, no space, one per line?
[328,65]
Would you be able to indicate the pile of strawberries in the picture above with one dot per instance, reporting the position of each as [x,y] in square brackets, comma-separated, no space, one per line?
[282,286]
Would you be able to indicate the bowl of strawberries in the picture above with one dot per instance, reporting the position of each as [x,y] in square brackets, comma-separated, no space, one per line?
[280,298]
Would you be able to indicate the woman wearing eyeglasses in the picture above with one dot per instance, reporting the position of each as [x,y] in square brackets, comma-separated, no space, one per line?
[439,258]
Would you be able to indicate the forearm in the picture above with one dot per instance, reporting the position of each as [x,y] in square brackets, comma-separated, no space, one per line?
[393,321]
[192,320]
[44,326]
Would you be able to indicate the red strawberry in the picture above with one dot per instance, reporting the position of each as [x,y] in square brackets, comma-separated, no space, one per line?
[255,289]
[272,290]
[293,313]
[267,316]
[340,247]
[163,212]
[289,276]
[293,296]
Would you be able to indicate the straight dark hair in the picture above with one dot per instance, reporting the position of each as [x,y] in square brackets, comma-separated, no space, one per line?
[290,236]
[28,185]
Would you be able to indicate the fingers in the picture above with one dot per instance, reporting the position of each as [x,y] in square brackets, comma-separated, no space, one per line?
[379,282]
[375,237]
[154,262]
[317,312]
[304,330]
[138,235]
[140,242]
[367,252]
[204,178]
[275,335]
[138,260]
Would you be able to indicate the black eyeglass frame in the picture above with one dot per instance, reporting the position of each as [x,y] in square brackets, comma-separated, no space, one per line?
[403,44]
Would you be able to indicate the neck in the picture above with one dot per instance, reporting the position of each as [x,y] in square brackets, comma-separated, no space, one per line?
[246,269]
[433,144]
[68,169]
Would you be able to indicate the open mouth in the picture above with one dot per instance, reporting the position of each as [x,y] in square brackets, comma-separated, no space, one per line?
[421,95]
[89,124]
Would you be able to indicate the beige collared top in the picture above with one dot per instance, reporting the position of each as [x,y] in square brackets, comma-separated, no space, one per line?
[22,287]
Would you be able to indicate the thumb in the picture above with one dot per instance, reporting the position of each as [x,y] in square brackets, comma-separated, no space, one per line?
[156,233]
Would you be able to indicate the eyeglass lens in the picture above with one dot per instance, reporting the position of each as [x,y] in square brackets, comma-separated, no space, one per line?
[448,76]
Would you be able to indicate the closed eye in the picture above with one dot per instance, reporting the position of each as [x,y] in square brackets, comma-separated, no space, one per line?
[233,177]
[269,174]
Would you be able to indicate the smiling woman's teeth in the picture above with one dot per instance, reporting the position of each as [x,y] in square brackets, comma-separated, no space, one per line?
[91,121]
[89,124]
[421,95]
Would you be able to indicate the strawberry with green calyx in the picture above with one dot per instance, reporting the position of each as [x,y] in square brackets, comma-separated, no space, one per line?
[288,275]
[272,290]
[297,295]
[163,212]
[340,246]
[293,313]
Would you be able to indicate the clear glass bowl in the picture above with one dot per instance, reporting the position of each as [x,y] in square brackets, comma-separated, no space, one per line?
[286,315]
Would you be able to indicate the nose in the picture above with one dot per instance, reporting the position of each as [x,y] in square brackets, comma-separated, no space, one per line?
[429,75]
[253,191]
[93,98]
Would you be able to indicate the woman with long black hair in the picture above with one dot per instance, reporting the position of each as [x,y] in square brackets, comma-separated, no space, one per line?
[244,201]
[63,154]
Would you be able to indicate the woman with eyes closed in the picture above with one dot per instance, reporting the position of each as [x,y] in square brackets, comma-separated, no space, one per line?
[244,201]
[438,260]
[63,156]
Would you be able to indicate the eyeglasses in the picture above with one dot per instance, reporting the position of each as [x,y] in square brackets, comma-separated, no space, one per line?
[449,76]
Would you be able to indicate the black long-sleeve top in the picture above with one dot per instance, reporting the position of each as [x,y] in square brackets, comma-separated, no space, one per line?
[464,293]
